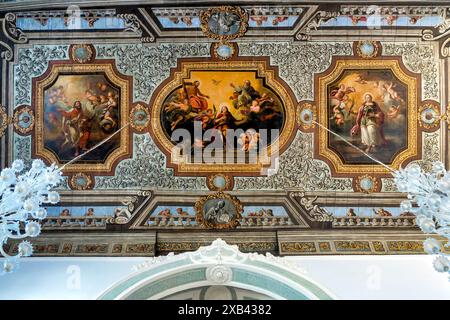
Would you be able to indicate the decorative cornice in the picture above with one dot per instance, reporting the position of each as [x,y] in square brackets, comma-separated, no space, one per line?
[91,13]
[389,10]
[440,33]
[252,11]
[12,32]
[11,35]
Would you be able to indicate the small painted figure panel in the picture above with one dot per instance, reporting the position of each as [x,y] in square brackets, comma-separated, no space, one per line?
[79,112]
[224,23]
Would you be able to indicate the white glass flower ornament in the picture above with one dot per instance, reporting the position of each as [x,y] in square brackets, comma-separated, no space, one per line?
[429,200]
[22,194]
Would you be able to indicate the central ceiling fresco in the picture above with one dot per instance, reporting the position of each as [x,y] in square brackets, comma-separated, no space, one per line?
[255,123]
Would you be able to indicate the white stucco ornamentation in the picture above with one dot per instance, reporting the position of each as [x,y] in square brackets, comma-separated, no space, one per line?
[219,274]
[217,265]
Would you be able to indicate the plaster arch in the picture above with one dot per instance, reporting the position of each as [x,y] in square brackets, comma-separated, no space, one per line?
[219,264]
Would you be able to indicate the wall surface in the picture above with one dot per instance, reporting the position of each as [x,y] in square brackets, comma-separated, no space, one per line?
[347,277]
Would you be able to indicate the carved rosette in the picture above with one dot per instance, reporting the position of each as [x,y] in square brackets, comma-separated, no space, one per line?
[219,182]
[139,117]
[367,49]
[81,181]
[366,184]
[82,53]
[429,115]
[24,120]
[219,274]
[306,115]
[224,50]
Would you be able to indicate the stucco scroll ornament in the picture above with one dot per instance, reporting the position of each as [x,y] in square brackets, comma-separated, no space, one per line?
[218,252]
[150,262]
[443,33]
[132,23]
[131,201]
[315,211]
[314,23]
[13,34]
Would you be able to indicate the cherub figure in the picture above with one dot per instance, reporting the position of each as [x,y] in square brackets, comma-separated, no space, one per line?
[389,87]
[393,112]
[259,19]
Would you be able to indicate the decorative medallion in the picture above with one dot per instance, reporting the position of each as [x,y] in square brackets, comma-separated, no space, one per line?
[307,113]
[371,103]
[80,181]
[231,117]
[219,182]
[367,49]
[140,117]
[366,184]
[77,106]
[23,119]
[219,274]
[4,121]
[82,53]
[224,23]
[429,116]
[218,211]
[223,50]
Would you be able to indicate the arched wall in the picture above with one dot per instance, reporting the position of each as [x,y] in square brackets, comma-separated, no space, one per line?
[218,264]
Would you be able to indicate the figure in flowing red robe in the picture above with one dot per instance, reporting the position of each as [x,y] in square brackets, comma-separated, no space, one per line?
[369,122]
[197,99]
[76,127]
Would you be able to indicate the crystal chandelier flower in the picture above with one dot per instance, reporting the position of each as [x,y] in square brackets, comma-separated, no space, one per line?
[429,200]
[22,194]
[21,197]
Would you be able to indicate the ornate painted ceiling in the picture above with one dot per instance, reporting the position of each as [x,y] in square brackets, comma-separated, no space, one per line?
[154,91]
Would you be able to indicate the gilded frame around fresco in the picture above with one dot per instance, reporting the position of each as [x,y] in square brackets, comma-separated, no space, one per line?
[106,67]
[205,16]
[185,67]
[200,205]
[413,84]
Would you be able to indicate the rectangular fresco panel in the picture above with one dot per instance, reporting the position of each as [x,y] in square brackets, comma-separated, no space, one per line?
[79,112]
[368,108]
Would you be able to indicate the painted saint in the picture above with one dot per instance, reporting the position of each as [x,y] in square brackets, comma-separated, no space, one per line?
[244,104]
[368,108]
[369,123]
[79,112]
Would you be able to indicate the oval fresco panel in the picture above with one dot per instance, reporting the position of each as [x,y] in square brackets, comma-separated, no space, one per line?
[224,100]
